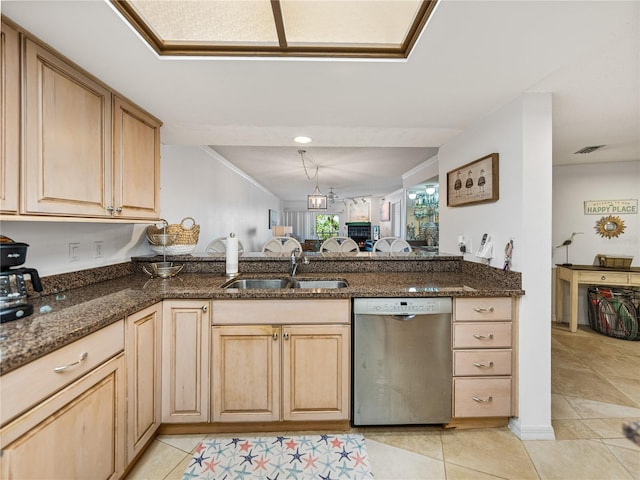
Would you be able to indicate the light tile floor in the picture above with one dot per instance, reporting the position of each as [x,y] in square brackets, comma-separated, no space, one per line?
[595,389]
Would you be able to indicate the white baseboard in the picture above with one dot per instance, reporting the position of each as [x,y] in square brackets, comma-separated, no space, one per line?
[531,432]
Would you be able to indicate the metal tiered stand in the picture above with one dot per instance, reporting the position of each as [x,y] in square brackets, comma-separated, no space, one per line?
[162,269]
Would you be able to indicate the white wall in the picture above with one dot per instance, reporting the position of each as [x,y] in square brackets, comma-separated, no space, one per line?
[195,182]
[521,133]
[572,185]
[49,243]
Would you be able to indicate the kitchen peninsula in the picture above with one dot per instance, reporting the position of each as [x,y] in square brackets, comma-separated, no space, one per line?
[160,341]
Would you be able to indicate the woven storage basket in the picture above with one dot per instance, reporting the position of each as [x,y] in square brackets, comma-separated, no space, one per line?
[185,242]
[614,312]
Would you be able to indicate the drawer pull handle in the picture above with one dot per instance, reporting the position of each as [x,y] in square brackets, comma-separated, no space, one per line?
[83,357]
[483,365]
[483,337]
[482,400]
[483,310]
[603,277]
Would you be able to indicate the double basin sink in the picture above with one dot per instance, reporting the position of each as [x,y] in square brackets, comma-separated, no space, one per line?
[279,283]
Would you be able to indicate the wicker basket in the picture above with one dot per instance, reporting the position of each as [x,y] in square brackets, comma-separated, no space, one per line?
[186,237]
[614,311]
[621,261]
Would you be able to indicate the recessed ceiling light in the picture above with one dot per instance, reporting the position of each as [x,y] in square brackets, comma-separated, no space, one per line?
[302,139]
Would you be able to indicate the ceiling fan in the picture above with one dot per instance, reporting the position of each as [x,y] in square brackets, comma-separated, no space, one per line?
[332,196]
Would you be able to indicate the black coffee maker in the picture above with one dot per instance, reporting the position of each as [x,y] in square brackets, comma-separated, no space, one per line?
[13,291]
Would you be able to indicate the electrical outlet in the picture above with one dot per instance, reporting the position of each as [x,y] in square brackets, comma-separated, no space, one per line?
[98,249]
[74,252]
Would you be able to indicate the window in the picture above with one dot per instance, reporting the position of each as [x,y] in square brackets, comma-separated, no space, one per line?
[327,226]
[346,28]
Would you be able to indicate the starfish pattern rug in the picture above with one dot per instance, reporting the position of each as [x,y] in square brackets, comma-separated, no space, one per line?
[307,457]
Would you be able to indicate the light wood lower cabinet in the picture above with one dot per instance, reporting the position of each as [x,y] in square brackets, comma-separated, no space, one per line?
[245,383]
[315,372]
[185,361]
[143,347]
[76,433]
[484,361]
[279,372]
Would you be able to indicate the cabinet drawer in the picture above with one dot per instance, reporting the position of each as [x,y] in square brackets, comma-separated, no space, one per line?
[481,397]
[604,278]
[481,362]
[482,335]
[280,312]
[483,309]
[37,380]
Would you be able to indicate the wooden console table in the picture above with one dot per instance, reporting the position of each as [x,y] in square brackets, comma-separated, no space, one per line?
[588,275]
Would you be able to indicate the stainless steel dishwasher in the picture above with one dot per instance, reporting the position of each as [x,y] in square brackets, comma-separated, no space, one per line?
[402,361]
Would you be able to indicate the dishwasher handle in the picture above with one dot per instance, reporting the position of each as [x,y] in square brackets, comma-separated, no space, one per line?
[404,317]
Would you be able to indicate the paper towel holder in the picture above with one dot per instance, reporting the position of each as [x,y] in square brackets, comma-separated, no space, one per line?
[231,255]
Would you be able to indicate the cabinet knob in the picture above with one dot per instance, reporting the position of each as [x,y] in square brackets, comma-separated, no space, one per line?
[275,335]
[110,208]
[205,308]
[119,209]
[286,335]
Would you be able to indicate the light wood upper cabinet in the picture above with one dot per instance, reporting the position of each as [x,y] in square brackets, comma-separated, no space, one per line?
[67,138]
[142,344]
[136,150]
[185,361]
[9,119]
[88,152]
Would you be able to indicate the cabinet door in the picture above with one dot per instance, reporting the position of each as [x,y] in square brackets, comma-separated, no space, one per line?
[185,361]
[315,372]
[67,138]
[143,367]
[245,384]
[9,119]
[136,144]
[77,433]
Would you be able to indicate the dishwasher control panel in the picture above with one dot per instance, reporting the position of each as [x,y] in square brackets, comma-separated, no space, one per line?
[399,306]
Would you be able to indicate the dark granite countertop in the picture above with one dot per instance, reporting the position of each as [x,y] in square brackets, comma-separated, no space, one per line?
[77,312]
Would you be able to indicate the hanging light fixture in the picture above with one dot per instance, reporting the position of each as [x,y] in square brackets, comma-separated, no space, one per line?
[317,200]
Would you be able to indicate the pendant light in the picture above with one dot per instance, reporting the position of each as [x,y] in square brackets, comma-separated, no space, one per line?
[317,200]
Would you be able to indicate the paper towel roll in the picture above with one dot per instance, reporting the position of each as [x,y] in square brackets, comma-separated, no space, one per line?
[232,254]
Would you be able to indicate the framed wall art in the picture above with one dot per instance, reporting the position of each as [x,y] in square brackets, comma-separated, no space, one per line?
[385,211]
[474,182]
[273,218]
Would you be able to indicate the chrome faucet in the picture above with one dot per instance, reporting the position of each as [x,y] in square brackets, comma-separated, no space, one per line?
[295,261]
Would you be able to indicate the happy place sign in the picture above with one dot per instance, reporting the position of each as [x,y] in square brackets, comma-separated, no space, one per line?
[610,207]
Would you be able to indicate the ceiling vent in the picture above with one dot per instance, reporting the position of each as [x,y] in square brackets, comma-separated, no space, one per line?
[590,149]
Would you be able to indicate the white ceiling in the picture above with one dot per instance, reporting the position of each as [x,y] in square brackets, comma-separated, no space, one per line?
[372,121]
